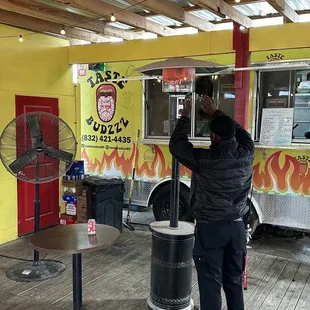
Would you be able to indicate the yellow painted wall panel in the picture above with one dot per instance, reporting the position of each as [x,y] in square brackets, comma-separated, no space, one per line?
[8,199]
[280,37]
[287,36]
[203,43]
[221,42]
[6,234]
[36,67]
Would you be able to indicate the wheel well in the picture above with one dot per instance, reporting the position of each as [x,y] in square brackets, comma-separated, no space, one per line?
[159,187]
[256,207]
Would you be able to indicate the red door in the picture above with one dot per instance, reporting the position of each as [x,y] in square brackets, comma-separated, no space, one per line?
[49,192]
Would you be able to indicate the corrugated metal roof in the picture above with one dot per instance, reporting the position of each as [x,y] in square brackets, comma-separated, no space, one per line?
[256,9]
[262,9]
[205,14]
[123,4]
[299,5]
[121,26]
[183,3]
[165,21]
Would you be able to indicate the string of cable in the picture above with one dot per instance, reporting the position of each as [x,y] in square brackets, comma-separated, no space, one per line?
[63,32]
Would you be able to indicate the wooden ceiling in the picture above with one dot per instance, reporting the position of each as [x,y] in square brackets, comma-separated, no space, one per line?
[89,20]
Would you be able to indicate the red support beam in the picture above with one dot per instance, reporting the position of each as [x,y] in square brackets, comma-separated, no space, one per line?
[242,78]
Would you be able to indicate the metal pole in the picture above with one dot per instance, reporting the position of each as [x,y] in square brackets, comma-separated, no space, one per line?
[175,177]
[36,256]
[77,280]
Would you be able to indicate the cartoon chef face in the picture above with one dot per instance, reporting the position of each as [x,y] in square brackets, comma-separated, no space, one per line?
[106,102]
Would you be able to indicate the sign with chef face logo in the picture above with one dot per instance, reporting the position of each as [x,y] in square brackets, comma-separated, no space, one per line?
[106,102]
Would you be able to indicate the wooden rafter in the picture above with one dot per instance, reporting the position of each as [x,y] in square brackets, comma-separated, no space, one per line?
[125,16]
[176,12]
[284,9]
[228,10]
[37,25]
[65,18]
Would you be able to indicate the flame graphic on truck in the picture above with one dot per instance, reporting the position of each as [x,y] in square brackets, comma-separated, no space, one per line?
[282,175]
[276,174]
[157,168]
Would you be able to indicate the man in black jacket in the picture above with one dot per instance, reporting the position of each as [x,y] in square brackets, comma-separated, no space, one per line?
[220,186]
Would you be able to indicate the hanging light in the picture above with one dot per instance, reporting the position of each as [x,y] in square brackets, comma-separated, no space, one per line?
[237,1]
[63,31]
[21,39]
[113,18]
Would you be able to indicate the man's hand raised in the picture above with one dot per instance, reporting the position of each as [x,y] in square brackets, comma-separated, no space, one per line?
[208,106]
[187,109]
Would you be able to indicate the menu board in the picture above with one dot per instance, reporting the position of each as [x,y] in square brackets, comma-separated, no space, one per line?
[277,126]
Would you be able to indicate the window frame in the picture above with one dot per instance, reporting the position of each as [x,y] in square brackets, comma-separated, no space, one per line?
[257,110]
[205,141]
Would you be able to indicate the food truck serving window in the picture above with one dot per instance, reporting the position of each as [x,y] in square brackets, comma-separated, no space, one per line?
[286,89]
[157,106]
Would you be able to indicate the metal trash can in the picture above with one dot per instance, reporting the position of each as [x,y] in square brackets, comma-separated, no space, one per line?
[105,200]
[172,266]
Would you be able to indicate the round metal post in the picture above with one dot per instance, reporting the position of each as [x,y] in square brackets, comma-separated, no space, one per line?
[36,254]
[175,176]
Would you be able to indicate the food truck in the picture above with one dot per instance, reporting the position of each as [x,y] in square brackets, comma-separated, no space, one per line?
[126,125]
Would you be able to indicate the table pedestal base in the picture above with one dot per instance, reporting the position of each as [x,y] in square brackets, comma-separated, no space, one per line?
[77,281]
[35,271]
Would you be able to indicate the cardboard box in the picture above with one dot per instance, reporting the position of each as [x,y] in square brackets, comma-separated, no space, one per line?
[81,209]
[65,219]
[72,183]
[71,209]
[76,191]
[74,188]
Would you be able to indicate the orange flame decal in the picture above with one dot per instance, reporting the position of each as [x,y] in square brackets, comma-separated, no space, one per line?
[125,165]
[291,175]
[282,178]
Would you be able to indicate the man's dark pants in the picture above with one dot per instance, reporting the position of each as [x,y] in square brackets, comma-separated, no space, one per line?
[219,255]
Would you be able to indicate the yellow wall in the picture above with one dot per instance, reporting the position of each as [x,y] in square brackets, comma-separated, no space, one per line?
[204,43]
[36,67]
[287,36]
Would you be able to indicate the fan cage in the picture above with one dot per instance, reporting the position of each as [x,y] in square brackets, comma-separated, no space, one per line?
[19,141]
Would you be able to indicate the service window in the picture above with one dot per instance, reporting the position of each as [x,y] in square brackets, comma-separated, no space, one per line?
[302,104]
[286,89]
[158,106]
[157,110]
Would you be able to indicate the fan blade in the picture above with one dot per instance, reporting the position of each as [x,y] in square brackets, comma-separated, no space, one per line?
[23,161]
[59,154]
[35,130]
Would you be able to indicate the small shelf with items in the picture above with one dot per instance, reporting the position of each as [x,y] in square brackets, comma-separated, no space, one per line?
[74,195]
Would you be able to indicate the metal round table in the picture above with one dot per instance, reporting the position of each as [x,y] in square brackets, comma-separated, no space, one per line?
[74,239]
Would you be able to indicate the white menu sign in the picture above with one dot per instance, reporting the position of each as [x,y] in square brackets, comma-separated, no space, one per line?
[277,126]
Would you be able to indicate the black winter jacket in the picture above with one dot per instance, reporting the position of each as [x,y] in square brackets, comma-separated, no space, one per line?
[221,174]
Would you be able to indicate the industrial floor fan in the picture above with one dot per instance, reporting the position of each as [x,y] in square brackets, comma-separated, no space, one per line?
[37,147]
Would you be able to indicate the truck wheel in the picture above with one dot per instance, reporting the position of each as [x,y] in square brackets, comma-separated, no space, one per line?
[161,204]
[252,218]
